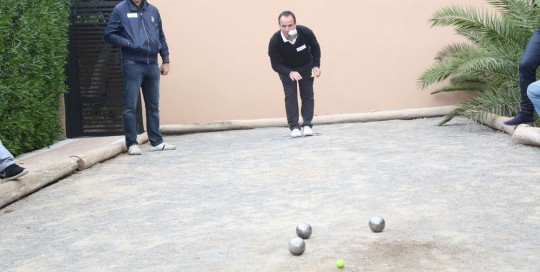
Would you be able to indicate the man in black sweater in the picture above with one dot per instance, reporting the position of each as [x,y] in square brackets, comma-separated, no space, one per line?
[296,56]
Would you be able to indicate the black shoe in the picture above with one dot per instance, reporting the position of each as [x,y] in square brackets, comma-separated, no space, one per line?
[12,172]
[520,118]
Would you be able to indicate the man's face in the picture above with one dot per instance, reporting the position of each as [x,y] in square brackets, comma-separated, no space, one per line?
[286,23]
[137,2]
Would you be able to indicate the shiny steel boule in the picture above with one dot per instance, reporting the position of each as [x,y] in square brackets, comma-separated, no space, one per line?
[303,230]
[376,224]
[293,33]
[297,246]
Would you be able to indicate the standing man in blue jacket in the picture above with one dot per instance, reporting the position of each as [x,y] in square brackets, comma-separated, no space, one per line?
[135,27]
[295,55]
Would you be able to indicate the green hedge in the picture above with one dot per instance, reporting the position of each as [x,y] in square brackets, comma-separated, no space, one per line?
[33,46]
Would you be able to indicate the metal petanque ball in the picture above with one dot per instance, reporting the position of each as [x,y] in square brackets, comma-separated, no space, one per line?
[303,230]
[297,246]
[376,224]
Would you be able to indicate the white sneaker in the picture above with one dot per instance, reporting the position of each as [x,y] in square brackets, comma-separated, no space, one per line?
[307,131]
[134,150]
[163,146]
[295,133]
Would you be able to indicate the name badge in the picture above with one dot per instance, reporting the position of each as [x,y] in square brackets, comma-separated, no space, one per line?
[132,15]
[301,48]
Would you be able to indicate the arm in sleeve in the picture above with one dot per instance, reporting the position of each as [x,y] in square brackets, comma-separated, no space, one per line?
[315,48]
[111,34]
[276,60]
[164,50]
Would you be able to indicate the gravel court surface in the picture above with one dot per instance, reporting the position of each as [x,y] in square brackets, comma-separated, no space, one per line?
[455,198]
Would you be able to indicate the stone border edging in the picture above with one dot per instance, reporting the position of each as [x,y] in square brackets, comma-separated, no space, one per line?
[35,180]
[319,120]
[15,190]
[522,134]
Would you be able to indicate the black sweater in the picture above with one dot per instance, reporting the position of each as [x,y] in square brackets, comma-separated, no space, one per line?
[285,57]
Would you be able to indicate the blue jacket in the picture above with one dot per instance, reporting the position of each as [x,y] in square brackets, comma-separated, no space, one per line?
[138,31]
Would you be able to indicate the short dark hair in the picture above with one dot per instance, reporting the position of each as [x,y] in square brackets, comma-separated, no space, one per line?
[286,13]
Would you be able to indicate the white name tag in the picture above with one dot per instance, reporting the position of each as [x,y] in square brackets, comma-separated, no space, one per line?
[132,15]
[298,49]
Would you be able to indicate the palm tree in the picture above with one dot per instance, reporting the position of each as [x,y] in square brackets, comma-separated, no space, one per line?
[488,62]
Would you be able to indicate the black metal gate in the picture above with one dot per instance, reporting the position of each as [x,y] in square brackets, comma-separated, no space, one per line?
[94,101]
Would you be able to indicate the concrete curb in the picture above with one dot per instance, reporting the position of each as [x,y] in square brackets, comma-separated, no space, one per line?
[35,180]
[522,134]
[98,155]
[318,120]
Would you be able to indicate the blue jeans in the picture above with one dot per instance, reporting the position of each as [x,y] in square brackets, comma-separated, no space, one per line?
[137,76]
[533,92]
[6,159]
[527,70]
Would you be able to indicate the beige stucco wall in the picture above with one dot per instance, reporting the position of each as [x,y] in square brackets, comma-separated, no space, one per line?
[373,52]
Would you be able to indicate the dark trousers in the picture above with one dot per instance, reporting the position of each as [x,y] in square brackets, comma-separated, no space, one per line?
[291,99]
[527,70]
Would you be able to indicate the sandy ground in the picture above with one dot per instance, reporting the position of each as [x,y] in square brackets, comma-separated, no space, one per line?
[455,198]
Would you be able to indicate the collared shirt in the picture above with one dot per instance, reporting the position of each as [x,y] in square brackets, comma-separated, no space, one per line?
[285,38]
[286,57]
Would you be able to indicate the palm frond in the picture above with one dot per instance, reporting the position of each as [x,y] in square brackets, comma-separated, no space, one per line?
[488,65]
[456,79]
[464,83]
[521,12]
[448,63]
[436,73]
[502,101]
[473,87]
[453,50]
[472,24]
